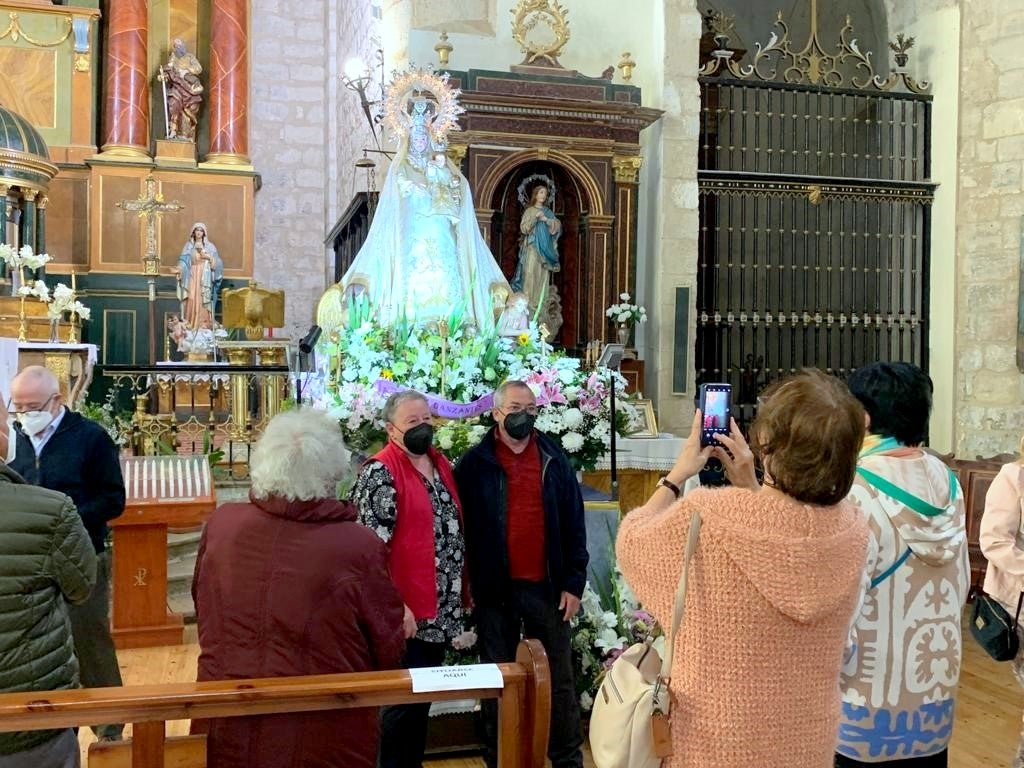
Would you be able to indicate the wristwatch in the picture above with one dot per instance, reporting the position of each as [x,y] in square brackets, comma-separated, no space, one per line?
[666,483]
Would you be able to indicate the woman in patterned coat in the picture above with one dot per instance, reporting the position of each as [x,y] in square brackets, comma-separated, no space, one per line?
[406,494]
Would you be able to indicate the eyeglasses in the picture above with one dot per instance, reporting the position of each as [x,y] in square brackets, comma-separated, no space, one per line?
[11,410]
[515,408]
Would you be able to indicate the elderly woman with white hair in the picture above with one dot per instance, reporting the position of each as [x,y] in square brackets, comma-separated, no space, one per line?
[289,583]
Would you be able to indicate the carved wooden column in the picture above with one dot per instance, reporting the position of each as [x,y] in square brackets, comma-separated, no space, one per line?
[627,178]
[28,218]
[40,244]
[5,212]
[598,277]
[229,83]
[126,107]
[484,217]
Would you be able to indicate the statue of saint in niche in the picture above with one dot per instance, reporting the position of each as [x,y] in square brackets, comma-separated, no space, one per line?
[538,247]
[183,93]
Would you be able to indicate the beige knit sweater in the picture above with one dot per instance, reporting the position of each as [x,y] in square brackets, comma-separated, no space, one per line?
[773,585]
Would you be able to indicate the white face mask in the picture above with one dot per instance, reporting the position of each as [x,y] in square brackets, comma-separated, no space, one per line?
[12,440]
[34,422]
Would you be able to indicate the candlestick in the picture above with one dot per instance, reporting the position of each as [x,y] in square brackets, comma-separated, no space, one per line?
[22,330]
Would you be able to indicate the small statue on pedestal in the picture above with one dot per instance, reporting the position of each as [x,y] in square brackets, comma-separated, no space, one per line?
[183,93]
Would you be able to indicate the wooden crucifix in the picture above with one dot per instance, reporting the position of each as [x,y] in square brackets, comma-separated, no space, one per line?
[150,206]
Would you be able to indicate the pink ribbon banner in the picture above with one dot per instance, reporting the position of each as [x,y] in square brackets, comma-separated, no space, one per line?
[446,409]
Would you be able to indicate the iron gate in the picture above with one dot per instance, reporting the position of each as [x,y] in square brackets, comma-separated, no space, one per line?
[814,212]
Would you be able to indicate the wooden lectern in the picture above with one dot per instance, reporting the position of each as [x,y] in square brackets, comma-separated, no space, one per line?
[162,492]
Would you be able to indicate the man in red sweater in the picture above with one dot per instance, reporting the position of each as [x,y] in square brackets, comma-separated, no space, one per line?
[526,548]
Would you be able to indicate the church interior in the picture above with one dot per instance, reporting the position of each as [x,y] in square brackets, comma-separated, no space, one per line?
[206,224]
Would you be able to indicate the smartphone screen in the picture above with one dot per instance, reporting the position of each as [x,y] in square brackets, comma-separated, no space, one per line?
[715,406]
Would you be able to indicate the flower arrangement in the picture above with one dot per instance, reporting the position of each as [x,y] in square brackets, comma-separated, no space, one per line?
[461,364]
[64,300]
[606,625]
[23,258]
[625,313]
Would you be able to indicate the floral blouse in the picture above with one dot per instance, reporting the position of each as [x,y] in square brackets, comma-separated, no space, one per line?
[374,494]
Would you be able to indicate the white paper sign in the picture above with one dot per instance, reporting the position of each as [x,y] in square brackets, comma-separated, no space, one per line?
[464,677]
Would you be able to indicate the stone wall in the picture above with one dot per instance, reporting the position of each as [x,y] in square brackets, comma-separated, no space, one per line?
[989,388]
[672,224]
[306,132]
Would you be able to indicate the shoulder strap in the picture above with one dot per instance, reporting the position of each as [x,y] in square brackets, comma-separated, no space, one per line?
[891,569]
[680,601]
[919,505]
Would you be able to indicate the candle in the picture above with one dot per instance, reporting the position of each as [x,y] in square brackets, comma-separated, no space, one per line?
[72,281]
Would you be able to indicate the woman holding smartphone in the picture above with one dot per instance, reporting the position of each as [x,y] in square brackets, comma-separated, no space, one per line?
[773,583]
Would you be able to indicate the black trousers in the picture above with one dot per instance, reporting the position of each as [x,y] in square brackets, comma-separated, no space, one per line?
[403,728]
[531,611]
[938,760]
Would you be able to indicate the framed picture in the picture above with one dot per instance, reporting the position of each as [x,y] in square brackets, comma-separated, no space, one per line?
[649,427]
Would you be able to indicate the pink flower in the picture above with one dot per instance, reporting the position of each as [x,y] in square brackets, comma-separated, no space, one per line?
[547,386]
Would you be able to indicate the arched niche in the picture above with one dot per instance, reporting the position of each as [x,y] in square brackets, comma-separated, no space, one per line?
[585,246]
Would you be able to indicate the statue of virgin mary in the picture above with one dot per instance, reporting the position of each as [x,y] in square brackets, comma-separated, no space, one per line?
[424,254]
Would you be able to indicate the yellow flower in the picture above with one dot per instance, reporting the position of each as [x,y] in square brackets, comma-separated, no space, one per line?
[387,374]
[524,339]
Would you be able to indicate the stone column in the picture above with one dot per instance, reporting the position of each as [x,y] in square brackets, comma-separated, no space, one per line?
[229,83]
[126,105]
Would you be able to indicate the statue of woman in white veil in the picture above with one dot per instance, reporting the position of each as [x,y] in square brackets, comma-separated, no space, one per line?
[424,254]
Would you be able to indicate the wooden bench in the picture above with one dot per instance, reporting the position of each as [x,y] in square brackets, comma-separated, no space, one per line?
[524,709]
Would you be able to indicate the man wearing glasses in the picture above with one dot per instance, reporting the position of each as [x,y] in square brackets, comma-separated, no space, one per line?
[64,451]
[526,548]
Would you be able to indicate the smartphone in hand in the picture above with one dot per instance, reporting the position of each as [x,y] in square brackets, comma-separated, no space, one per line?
[716,407]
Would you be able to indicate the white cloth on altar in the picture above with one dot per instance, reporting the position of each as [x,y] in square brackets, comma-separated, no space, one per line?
[8,366]
[657,454]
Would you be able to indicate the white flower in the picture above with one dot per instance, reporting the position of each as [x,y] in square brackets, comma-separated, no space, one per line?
[624,296]
[572,441]
[81,310]
[444,441]
[609,639]
[623,317]
[586,701]
[464,641]
[26,290]
[572,418]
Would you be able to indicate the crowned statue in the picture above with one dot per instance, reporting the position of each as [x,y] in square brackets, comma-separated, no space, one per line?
[424,254]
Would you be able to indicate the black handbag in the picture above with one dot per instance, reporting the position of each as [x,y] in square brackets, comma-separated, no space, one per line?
[993,628]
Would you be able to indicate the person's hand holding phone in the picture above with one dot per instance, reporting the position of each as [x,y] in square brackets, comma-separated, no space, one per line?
[737,458]
[693,457]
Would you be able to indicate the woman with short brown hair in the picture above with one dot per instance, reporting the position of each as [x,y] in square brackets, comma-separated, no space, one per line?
[774,581]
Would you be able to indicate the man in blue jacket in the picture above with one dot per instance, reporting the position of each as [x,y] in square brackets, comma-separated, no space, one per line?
[64,451]
[526,548]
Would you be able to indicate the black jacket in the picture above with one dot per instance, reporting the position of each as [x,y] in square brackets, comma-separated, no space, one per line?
[482,490]
[81,461]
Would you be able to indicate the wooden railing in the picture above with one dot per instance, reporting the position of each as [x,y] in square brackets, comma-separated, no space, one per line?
[524,706]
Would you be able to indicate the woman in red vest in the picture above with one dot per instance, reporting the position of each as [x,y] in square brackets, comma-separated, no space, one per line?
[406,495]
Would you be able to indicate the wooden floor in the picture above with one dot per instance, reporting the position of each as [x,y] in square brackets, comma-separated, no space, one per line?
[988,719]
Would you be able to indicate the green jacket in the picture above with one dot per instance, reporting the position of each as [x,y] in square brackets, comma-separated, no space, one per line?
[46,561]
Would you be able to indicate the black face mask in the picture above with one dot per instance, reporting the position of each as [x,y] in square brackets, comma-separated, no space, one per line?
[519,425]
[418,439]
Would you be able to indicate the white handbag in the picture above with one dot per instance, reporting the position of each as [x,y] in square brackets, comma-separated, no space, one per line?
[629,722]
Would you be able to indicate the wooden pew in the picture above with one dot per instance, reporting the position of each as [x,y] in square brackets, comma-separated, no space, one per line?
[524,709]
